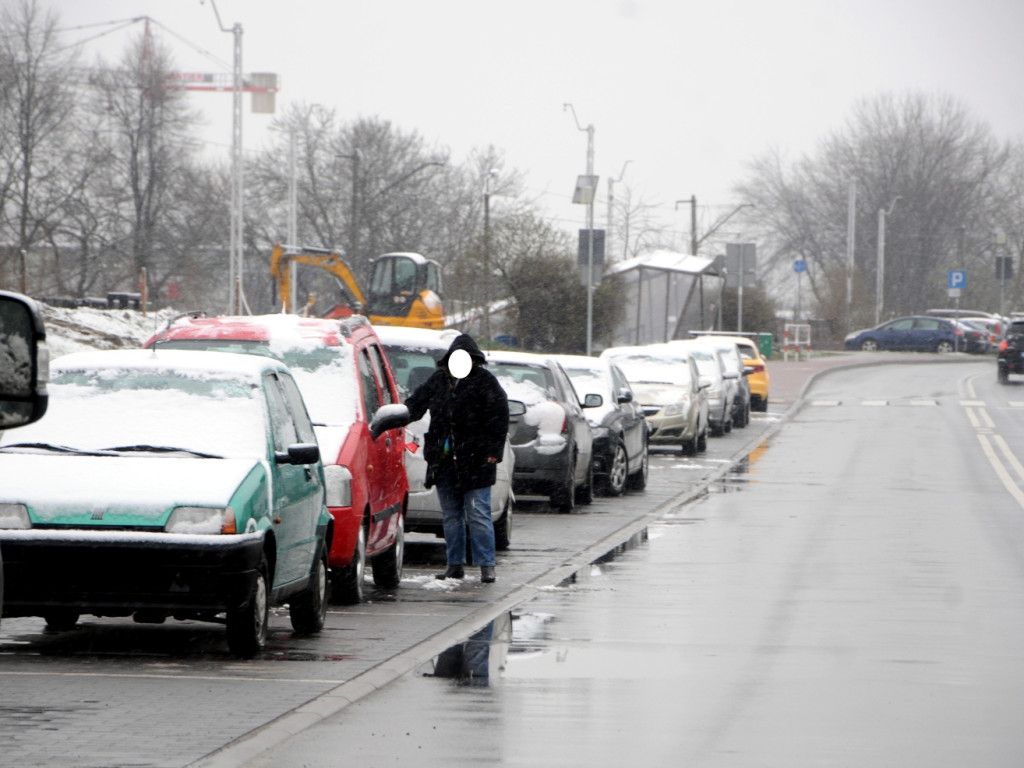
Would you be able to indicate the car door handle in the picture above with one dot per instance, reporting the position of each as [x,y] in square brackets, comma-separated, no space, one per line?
[387,441]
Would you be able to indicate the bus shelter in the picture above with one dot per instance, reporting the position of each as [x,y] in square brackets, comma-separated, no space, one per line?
[666,294]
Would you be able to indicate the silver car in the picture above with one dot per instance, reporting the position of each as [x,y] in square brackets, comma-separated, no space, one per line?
[413,354]
[552,440]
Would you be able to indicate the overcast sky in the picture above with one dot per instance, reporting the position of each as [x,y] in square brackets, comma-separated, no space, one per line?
[687,91]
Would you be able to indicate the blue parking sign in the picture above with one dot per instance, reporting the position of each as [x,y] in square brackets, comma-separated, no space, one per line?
[957,278]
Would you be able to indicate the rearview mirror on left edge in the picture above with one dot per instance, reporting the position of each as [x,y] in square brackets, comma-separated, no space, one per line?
[24,361]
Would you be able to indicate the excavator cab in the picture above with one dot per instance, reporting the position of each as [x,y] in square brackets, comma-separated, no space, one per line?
[405,290]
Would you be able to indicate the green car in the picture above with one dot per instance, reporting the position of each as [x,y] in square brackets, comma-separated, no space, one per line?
[167,484]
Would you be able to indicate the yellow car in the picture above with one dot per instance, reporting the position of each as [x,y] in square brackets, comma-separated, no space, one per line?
[759,379]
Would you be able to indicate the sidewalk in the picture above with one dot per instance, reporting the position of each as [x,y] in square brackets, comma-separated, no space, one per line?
[789,377]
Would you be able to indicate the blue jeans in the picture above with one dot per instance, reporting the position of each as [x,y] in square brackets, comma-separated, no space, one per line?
[462,510]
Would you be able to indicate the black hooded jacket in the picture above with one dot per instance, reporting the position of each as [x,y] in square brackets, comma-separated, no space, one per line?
[471,414]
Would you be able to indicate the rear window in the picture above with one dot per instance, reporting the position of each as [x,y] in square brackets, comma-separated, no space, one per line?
[524,382]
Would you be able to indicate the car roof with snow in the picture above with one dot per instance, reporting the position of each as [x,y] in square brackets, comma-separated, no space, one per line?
[425,338]
[174,360]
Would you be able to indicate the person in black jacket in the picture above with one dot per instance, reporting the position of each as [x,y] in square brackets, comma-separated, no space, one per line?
[465,442]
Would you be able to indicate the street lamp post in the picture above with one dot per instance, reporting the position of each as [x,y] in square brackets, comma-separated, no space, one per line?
[486,319]
[611,212]
[236,296]
[880,270]
[585,194]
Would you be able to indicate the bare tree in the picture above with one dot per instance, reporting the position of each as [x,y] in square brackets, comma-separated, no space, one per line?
[146,134]
[36,112]
[927,153]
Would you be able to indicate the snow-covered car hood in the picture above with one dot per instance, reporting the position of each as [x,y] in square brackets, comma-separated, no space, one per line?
[54,485]
[659,394]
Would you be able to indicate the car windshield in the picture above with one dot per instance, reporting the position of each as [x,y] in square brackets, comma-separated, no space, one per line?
[96,410]
[643,368]
[707,363]
[326,375]
[525,382]
[412,365]
[587,381]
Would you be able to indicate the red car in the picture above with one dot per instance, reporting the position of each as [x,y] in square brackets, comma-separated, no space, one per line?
[344,376]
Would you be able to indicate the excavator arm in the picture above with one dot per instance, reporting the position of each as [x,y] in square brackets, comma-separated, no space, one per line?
[283,256]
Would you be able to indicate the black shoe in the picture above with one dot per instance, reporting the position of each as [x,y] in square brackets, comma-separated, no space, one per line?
[487,574]
[452,572]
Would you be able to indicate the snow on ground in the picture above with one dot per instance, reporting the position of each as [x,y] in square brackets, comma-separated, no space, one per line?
[85,328]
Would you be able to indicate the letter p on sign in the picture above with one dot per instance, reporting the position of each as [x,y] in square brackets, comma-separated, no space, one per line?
[957,278]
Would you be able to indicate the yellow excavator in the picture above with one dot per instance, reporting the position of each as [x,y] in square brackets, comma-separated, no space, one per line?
[404,288]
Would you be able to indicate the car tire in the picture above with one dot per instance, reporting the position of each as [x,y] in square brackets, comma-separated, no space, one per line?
[702,440]
[61,619]
[1004,375]
[585,493]
[618,471]
[688,447]
[503,527]
[869,345]
[387,566]
[347,583]
[762,405]
[247,623]
[944,347]
[308,610]
[563,498]
[638,480]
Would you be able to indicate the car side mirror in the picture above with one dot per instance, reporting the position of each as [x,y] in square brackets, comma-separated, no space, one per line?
[593,401]
[747,370]
[516,408]
[24,361]
[625,396]
[299,453]
[389,417]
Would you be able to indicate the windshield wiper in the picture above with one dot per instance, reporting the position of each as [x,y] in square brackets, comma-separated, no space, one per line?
[142,448]
[15,448]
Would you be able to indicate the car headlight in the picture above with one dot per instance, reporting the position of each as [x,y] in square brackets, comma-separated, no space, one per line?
[672,410]
[14,517]
[339,485]
[204,520]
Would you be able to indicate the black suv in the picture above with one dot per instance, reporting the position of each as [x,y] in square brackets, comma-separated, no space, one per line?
[1011,351]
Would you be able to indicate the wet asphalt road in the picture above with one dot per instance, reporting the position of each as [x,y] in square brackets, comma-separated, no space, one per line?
[75,699]
[854,597]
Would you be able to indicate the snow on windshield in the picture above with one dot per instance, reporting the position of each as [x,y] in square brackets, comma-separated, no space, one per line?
[647,368]
[532,385]
[101,409]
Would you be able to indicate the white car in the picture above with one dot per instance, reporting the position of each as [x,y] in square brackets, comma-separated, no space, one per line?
[413,354]
[667,383]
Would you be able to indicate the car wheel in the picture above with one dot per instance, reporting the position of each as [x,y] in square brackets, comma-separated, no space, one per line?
[638,480]
[702,440]
[762,405]
[61,619]
[869,345]
[347,583]
[618,470]
[247,623]
[308,611]
[387,566]
[563,499]
[944,347]
[503,527]
[688,447]
[1004,375]
[585,492]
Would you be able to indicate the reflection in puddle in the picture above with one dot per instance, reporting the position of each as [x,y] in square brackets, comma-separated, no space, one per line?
[480,657]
